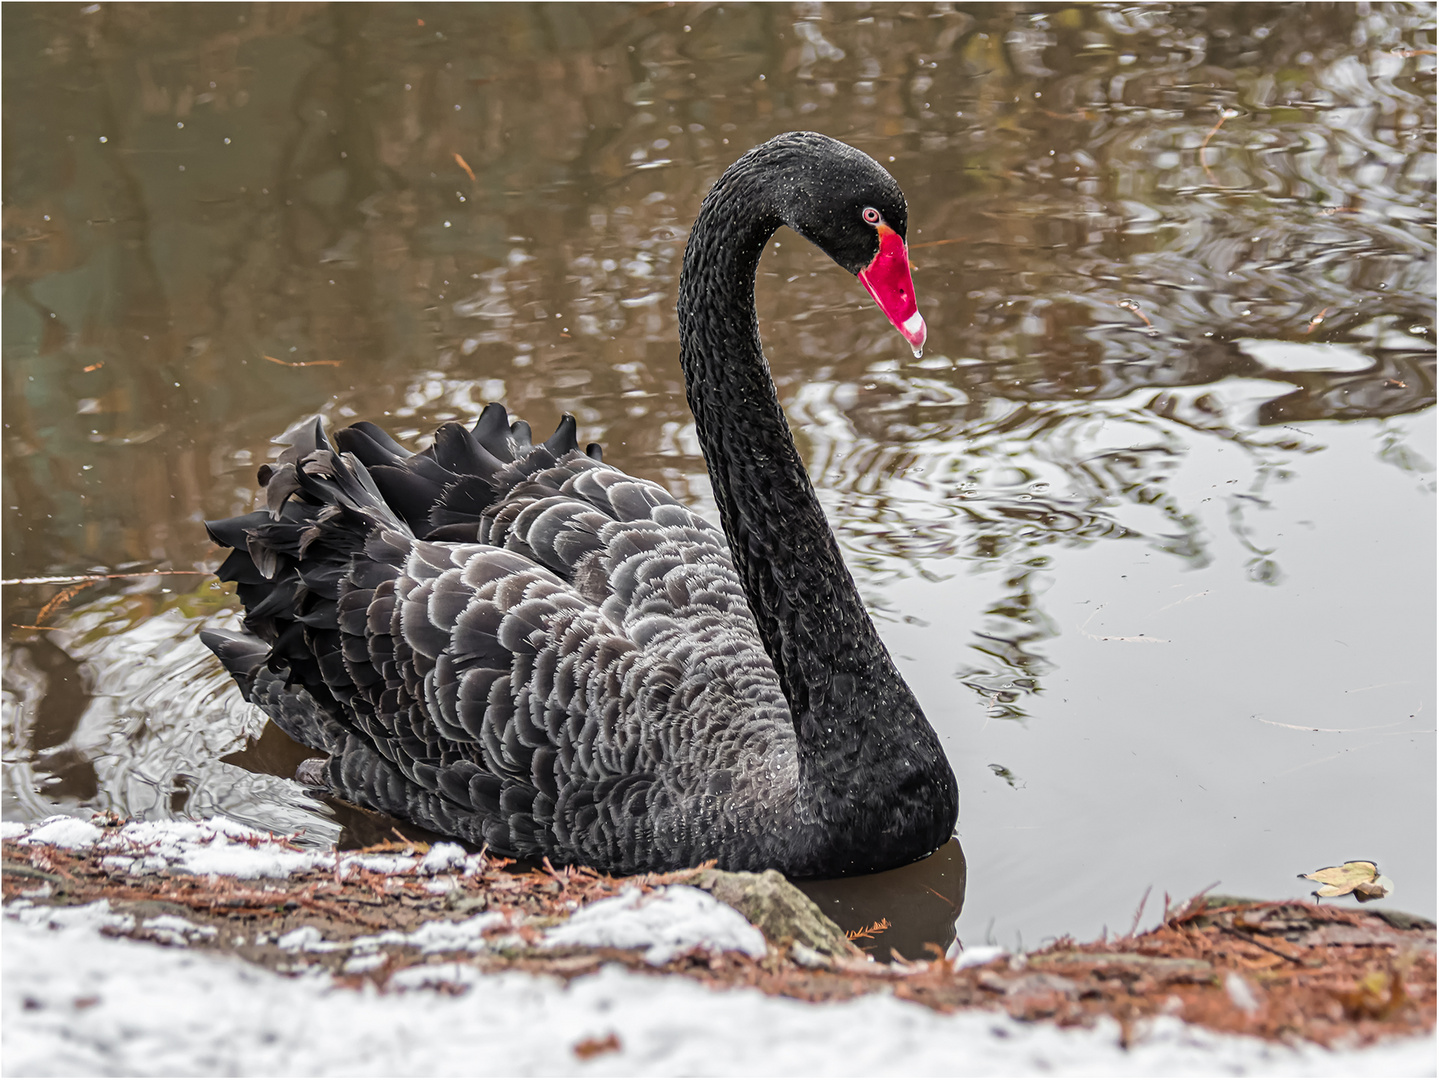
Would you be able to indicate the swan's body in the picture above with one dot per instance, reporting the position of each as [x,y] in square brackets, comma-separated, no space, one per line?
[523,647]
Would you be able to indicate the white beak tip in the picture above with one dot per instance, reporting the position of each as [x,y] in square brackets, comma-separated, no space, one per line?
[914,332]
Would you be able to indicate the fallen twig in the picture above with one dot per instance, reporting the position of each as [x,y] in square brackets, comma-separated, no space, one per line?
[67,579]
[301,363]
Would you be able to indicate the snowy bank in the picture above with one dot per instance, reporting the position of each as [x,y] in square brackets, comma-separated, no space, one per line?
[250,955]
[75,1003]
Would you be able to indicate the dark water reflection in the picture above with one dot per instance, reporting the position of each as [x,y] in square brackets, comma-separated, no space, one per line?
[1150,527]
[910,911]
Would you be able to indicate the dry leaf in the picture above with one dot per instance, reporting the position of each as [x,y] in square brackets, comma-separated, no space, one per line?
[1377,889]
[1360,877]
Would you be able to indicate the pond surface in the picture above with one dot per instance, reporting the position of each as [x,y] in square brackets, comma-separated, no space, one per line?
[1149,529]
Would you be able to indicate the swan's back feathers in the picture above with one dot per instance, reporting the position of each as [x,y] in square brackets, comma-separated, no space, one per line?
[513,643]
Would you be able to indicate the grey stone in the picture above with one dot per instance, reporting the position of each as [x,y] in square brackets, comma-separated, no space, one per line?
[786,916]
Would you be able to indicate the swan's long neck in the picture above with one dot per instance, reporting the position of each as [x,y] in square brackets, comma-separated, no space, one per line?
[852,711]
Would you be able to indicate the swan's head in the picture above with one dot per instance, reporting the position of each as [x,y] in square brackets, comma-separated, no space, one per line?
[847,204]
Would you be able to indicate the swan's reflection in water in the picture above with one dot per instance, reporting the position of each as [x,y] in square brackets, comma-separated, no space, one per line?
[920,902]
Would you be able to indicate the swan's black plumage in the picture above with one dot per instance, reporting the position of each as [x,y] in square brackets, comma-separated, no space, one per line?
[516,644]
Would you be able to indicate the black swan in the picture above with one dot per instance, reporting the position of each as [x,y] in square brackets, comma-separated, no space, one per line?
[515,644]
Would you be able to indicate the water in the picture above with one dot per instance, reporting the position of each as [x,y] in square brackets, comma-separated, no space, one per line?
[1149,528]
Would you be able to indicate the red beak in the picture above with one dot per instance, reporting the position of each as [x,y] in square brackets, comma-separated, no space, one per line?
[888,281]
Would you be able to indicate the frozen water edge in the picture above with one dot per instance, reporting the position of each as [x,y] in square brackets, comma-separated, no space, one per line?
[75,1003]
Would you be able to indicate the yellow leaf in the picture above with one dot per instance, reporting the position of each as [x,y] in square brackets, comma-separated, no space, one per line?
[1343,880]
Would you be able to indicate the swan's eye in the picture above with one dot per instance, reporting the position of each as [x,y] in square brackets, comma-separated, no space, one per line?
[871,215]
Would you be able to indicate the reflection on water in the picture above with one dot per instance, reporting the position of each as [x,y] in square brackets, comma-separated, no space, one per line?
[911,910]
[150,722]
[1177,266]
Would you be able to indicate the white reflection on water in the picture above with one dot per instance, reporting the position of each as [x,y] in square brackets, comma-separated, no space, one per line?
[159,719]
[1167,738]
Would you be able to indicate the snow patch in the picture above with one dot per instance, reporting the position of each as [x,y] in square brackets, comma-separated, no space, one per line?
[308,939]
[666,923]
[225,848]
[442,936]
[976,955]
[216,846]
[442,857]
[380,864]
[438,976]
[173,930]
[239,861]
[65,832]
[358,965]
[157,1012]
[81,917]
[437,935]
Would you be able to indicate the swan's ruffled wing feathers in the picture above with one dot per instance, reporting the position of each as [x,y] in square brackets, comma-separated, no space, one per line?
[509,642]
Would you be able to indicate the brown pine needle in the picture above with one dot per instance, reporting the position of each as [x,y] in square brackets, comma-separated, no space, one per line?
[1133,306]
[868,931]
[1259,944]
[588,1048]
[302,363]
[466,166]
[60,599]
[1212,132]
[1139,912]
[1223,116]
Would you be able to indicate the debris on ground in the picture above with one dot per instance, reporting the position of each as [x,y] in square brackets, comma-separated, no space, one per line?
[400,915]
